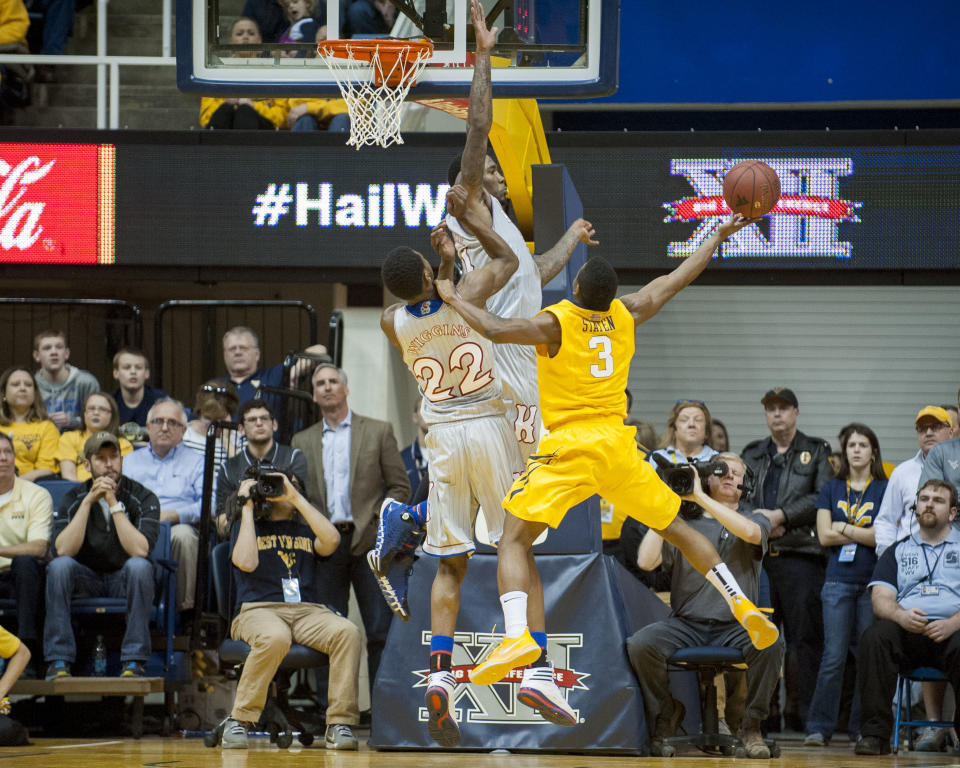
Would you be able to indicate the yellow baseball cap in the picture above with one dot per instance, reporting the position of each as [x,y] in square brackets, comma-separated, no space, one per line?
[934,412]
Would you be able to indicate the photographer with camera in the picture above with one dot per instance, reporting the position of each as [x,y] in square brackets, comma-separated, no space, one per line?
[274,546]
[700,616]
[257,425]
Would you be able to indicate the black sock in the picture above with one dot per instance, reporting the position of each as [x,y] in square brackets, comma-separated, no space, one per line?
[542,660]
[440,661]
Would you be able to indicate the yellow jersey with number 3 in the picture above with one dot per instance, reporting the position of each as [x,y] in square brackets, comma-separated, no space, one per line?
[586,379]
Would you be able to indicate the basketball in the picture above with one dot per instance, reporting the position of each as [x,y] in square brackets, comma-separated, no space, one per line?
[751,188]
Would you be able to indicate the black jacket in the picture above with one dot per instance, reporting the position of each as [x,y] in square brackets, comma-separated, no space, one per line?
[807,468]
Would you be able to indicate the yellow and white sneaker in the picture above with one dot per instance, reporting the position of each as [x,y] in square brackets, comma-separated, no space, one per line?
[763,633]
[510,654]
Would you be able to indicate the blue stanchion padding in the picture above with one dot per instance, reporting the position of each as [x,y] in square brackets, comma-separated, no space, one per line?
[579,533]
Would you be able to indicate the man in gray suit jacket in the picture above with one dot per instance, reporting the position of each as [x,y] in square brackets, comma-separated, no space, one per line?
[354,464]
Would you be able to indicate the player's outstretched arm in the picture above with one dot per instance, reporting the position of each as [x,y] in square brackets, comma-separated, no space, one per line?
[646,302]
[551,262]
[479,285]
[480,107]
[539,329]
[386,325]
[443,246]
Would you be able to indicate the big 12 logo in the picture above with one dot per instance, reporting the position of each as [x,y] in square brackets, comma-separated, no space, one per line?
[57,203]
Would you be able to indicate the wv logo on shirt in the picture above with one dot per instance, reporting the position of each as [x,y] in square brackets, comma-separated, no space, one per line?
[860,515]
[289,559]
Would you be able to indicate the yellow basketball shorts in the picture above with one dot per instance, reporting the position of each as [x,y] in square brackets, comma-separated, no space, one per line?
[575,461]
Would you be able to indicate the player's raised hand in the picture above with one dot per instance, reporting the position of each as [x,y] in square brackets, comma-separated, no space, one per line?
[442,243]
[733,223]
[446,290]
[583,230]
[457,197]
[486,38]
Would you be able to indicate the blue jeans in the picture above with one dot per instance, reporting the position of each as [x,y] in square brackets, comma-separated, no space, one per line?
[57,23]
[66,578]
[338,124]
[847,612]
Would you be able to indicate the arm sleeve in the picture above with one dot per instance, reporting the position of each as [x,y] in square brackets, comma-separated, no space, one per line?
[803,511]
[885,523]
[40,523]
[190,513]
[9,643]
[149,517]
[298,464]
[225,487]
[885,571]
[67,446]
[932,465]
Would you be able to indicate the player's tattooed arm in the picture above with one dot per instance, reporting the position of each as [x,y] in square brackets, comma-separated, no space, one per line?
[480,108]
[646,302]
[542,329]
[551,262]
[479,285]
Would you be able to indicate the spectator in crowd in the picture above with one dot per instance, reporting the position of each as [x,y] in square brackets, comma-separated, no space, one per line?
[846,508]
[241,357]
[719,439]
[243,113]
[700,616]
[26,516]
[174,472]
[24,418]
[318,114]
[134,397]
[943,461]
[354,466]
[303,27]
[58,24]
[685,439]
[15,78]
[790,469]
[257,425]
[99,415]
[277,592]
[896,518]
[646,434]
[916,600]
[103,552]
[216,400]
[63,387]
[954,412]
[415,459]
[269,18]
[371,17]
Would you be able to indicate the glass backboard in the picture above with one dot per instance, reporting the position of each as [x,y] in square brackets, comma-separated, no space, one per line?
[546,48]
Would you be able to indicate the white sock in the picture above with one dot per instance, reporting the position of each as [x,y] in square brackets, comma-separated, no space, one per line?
[514,613]
[725,584]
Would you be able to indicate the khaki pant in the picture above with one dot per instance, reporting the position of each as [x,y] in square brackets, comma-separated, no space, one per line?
[184,543]
[270,628]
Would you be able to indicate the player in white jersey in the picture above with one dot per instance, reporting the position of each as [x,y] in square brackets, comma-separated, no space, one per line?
[521,296]
[473,453]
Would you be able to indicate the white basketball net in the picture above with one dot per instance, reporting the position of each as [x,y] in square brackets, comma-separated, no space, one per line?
[375,110]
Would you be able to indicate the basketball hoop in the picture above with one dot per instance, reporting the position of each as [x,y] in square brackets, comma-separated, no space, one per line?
[374,77]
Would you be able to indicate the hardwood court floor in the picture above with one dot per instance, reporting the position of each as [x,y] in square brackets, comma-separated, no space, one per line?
[176,752]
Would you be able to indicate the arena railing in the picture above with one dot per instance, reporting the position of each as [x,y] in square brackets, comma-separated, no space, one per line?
[95,328]
[193,348]
[103,62]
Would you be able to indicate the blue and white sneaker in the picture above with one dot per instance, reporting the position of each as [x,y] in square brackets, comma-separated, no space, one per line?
[395,523]
[539,691]
[394,585]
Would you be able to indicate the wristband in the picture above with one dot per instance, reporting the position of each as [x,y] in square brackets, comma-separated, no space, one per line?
[117,508]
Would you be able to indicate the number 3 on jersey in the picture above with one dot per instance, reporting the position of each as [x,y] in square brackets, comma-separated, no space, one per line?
[604,368]
[430,373]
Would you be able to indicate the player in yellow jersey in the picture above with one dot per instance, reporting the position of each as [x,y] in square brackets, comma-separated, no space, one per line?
[584,348]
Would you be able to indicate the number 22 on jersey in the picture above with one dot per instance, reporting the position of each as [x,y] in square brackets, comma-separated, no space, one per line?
[434,379]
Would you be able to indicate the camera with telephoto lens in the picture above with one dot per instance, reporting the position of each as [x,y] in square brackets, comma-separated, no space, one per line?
[680,479]
[269,486]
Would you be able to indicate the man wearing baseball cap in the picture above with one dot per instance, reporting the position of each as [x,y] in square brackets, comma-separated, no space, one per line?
[789,470]
[943,462]
[103,552]
[896,519]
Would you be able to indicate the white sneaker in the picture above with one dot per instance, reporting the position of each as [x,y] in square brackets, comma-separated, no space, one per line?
[539,690]
[234,734]
[931,739]
[439,700]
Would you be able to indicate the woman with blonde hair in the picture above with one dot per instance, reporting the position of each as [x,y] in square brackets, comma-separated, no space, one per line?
[23,417]
[100,414]
[684,441]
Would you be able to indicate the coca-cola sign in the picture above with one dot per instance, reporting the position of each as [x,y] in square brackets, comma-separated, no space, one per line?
[57,203]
